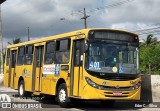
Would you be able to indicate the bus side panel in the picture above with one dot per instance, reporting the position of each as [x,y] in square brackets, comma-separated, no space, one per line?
[16,79]
[46,84]
[6,75]
[53,86]
[27,74]
[49,81]
[18,74]
[12,77]
[76,80]
[65,75]
[81,82]
[28,83]
[6,68]
[37,80]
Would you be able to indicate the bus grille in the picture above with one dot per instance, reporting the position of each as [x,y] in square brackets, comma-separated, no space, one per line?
[113,88]
[116,96]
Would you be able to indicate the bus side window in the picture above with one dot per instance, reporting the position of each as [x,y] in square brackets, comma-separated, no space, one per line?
[29,54]
[62,51]
[77,51]
[8,57]
[49,52]
[13,62]
[20,57]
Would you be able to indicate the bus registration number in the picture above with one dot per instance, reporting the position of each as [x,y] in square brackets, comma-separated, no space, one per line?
[117,93]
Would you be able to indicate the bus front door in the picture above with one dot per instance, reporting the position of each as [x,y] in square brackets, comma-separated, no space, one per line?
[12,68]
[76,68]
[38,61]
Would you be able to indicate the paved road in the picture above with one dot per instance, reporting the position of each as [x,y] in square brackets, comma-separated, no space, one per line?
[51,105]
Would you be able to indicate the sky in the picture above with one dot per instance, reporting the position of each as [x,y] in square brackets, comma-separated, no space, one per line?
[51,17]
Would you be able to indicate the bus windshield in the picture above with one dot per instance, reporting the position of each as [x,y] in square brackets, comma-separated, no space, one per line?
[112,58]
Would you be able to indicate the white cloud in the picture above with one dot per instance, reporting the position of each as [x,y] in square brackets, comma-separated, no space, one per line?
[43,16]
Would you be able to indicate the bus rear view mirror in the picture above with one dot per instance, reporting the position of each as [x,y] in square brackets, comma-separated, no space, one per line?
[85,48]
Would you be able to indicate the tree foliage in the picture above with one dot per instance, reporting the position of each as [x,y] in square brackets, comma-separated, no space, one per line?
[16,41]
[150,55]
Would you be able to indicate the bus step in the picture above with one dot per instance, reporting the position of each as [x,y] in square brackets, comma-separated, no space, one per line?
[36,92]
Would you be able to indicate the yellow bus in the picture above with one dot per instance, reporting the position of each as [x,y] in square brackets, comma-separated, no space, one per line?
[89,64]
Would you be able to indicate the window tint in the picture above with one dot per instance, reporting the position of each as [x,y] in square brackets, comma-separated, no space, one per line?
[8,57]
[57,45]
[21,54]
[77,51]
[64,45]
[39,56]
[21,51]
[62,53]
[29,54]
[13,62]
[62,57]
[50,52]
[29,49]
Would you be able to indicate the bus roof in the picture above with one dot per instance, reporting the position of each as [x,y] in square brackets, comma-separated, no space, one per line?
[58,36]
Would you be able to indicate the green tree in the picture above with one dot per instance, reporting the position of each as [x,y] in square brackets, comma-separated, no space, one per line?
[150,41]
[16,41]
[150,55]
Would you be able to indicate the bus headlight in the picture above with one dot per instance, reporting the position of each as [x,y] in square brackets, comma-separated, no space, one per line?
[93,84]
[136,86]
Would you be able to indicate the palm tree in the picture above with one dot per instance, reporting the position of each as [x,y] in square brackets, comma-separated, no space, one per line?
[150,41]
[16,41]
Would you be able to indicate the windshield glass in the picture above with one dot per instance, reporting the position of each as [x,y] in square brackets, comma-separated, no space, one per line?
[112,58]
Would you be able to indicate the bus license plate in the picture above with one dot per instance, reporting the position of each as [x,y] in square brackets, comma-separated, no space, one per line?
[117,93]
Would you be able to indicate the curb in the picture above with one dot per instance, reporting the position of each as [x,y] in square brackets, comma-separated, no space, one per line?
[150,88]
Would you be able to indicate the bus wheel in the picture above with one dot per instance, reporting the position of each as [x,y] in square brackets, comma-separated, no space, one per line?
[107,103]
[63,99]
[21,87]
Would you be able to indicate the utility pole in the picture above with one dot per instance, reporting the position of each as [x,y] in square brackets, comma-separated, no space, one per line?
[85,18]
[1,40]
[28,35]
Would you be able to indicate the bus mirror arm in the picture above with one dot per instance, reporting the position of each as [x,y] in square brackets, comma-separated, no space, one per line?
[85,48]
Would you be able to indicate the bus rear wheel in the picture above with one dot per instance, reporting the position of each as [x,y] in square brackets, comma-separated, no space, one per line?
[21,89]
[63,99]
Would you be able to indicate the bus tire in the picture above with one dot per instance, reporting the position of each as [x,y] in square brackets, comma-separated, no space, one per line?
[21,89]
[62,96]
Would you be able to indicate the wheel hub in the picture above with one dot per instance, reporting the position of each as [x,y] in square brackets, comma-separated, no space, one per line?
[62,95]
[21,89]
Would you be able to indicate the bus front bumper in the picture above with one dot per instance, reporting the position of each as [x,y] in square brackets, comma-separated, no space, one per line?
[96,94]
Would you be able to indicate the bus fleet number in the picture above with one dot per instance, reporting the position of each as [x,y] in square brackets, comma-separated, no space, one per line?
[95,65]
